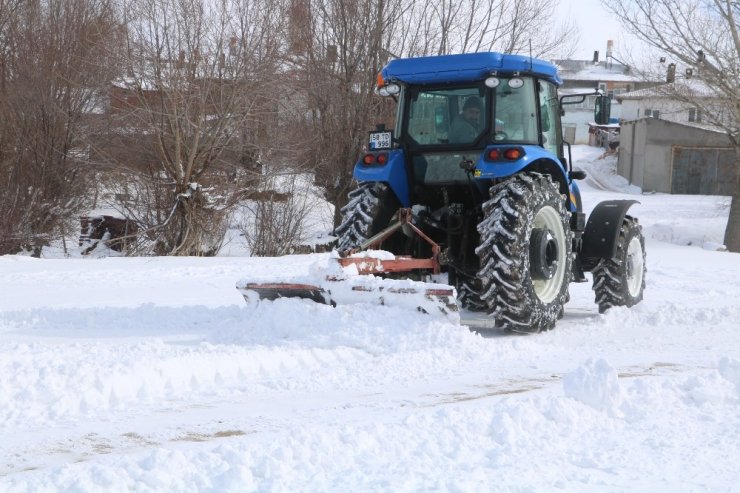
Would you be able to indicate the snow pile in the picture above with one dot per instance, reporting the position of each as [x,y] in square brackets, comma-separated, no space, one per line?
[601,174]
[595,384]
[729,368]
[363,326]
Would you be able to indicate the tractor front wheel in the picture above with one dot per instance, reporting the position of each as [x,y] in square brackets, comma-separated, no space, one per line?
[620,281]
[525,253]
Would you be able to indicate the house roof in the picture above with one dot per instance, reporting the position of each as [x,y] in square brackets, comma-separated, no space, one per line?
[586,70]
[659,121]
[690,87]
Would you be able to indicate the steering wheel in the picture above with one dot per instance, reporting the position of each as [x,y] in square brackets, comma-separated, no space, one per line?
[500,136]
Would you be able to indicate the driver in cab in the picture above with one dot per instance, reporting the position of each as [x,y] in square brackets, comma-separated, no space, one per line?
[466,126]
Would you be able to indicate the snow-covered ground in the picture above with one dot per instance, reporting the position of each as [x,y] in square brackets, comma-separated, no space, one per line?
[152,374]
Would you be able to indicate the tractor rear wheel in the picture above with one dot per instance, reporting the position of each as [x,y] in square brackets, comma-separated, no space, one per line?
[369,210]
[469,297]
[525,253]
[620,281]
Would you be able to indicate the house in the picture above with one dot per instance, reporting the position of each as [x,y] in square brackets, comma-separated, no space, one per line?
[670,102]
[666,144]
[582,76]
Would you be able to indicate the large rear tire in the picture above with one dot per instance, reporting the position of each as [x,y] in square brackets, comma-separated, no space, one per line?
[369,210]
[469,297]
[525,253]
[620,281]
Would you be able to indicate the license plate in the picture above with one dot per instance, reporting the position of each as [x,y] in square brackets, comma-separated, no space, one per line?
[381,140]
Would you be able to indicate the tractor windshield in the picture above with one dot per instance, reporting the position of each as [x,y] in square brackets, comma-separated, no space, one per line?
[441,116]
[446,126]
[516,110]
[463,115]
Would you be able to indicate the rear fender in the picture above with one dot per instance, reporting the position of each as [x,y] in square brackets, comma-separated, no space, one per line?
[602,231]
[535,157]
[393,173]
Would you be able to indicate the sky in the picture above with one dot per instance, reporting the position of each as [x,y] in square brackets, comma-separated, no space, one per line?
[596,25]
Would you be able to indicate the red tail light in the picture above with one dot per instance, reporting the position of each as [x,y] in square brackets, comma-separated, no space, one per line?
[372,158]
[504,154]
[513,154]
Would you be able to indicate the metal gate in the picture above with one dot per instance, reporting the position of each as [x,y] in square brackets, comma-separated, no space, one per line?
[703,170]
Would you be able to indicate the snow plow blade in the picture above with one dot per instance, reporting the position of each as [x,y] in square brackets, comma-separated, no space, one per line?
[352,277]
[429,298]
[273,291]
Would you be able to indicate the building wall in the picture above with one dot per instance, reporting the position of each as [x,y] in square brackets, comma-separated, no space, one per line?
[646,150]
[669,110]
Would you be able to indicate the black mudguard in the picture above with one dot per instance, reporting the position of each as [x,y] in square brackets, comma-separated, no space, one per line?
[602,231]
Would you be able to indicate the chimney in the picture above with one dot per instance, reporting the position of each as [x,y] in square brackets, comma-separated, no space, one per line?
[609,46]
[596,57]
[670,75]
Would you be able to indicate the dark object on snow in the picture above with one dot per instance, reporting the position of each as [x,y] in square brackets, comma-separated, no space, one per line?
[116,233]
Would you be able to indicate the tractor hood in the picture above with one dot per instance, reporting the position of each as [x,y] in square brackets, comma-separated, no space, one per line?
[465,68]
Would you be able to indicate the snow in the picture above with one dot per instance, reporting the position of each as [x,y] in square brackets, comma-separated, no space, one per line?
[152,374]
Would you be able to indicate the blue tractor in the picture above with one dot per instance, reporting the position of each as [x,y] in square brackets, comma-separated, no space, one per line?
[474,176]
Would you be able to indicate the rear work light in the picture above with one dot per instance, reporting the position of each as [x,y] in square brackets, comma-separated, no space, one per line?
[375,158]
[504,154]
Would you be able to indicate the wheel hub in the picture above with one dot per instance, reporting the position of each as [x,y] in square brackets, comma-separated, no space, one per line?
[543,254]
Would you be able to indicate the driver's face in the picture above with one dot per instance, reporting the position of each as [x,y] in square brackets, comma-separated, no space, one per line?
[472,115]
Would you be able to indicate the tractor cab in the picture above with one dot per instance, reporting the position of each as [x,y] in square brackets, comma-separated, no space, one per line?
[463,122]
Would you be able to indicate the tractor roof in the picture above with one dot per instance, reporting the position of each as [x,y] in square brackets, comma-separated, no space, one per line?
[466,67]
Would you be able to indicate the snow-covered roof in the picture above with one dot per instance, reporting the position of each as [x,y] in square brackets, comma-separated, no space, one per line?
[583,70]
[691,87]
[702,126]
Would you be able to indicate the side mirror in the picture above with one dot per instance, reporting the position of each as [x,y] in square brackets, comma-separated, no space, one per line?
[602,110]
[577,174]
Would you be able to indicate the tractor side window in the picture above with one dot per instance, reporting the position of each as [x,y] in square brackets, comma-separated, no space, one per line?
[446,116]
[516,113]
[549,121]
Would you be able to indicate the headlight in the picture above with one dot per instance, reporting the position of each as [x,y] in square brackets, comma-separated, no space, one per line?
[492,82]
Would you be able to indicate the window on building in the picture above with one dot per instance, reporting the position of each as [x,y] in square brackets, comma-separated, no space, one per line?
[694,115]
[653,113]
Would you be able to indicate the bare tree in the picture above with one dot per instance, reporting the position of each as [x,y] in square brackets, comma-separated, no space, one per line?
[336,63]
[198,97]
[509,26]
[274,220]
[703,35]
[53,64]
